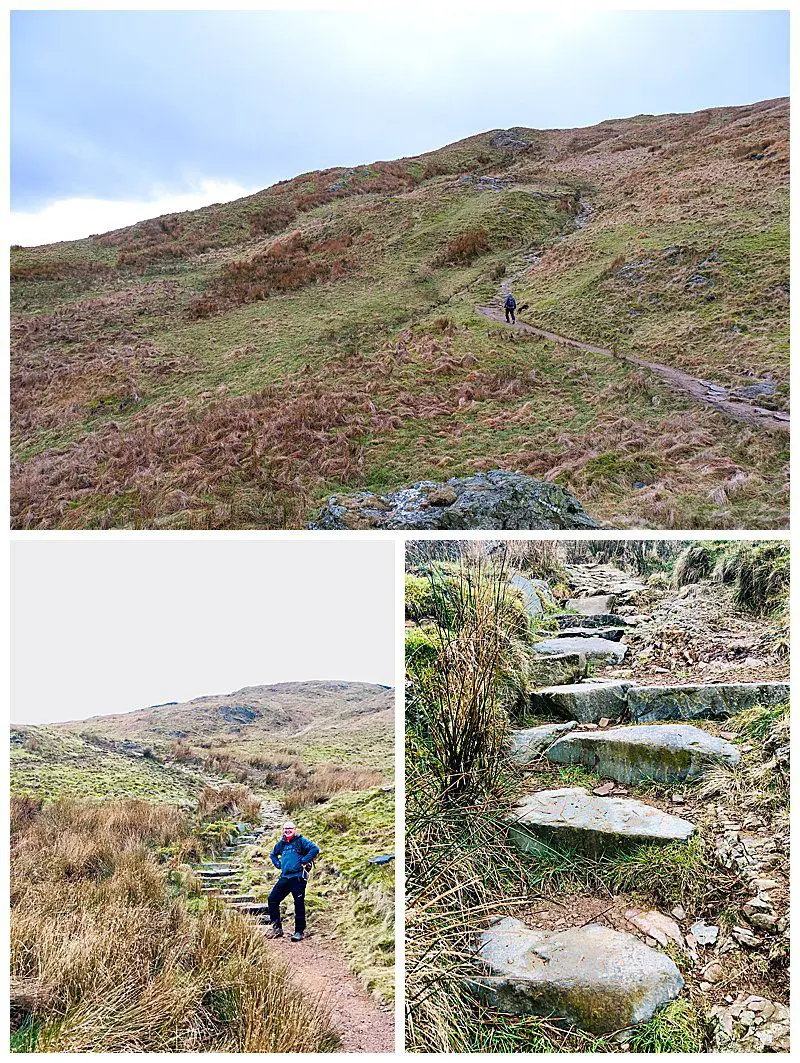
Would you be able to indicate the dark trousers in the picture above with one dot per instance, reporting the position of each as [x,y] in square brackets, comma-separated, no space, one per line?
[510,316]
[282,888]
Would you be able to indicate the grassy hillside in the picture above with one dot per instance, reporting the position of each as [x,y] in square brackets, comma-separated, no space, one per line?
[234,366]
[50,764]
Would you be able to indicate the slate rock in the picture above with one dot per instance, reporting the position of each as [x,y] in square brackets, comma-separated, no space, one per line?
[593,605]
[594,823]
[488,500]
[702,701]
[590,646]
[593,620]
[530,743]
[536,593]
[600,979]
[587,702]
[657,753]
[615,634]
[554,669]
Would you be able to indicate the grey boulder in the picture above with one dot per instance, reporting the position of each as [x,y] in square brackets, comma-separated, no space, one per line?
[657,753]
[593,605]
[488,500]
[590,646]
[601,980]
[702,701]
[551,669]
[536,592]
[575,815]
[530,743]
[586,702]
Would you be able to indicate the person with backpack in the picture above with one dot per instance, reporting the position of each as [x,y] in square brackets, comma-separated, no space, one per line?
[293,857]
[510,306]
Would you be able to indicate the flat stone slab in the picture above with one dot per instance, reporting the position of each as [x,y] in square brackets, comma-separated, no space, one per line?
[592,605]
[546,670]
[613,633]
[585,702]
[656,753]
[575,815]
[590,647]
[528,744]
[702,701]
[568,620]
[601,980]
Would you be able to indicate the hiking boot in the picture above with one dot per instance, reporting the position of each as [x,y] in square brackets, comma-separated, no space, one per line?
[277,930]
[297,935]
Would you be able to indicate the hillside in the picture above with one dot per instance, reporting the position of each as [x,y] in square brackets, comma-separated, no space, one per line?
[50,763]
[314,721]
[235,366]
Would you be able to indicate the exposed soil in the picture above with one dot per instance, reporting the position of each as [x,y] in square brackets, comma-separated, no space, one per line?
[315,966]
[709,394]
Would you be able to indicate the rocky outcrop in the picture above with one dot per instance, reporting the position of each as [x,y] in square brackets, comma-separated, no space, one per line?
[657,753]
[590,646]
[601,980]
[530,743]
[702,701]
[493,500]
[586,702]
[594,823]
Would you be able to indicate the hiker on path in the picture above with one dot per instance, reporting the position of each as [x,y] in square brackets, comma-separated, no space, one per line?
[293,857]
[510,306]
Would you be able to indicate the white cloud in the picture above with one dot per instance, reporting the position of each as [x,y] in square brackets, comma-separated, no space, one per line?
[73,219]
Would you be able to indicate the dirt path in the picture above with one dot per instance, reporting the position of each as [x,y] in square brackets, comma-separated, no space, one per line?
[318,970]
[701,390]
[315,964]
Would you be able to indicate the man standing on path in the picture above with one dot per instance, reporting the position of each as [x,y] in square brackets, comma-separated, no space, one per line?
[293,856]
[510,306]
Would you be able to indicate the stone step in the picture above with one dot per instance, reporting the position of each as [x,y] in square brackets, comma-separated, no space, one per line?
[644,753]
[601,980]
[567,620]
[239,898]
[555,668]
[585,702]
[592,605]
[589,647]
[575,815]
[698,701]
[252,909]
[613,633]
[528,744]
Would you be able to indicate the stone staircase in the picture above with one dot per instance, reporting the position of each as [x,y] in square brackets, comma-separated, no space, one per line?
[601,979]
[223,879]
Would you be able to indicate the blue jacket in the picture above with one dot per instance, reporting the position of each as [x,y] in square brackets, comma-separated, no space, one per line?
[510,303]
[289,857]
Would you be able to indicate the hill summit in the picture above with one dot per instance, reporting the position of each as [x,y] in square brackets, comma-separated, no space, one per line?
[238,365]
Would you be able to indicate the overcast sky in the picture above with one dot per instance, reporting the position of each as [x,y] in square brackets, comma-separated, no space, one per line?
[104,627]
[120,115]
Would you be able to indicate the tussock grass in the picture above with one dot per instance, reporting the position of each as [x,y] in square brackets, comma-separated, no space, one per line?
[105,956]
[322,781]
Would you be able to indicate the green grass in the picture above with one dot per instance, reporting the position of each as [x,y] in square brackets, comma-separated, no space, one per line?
[590,422]
[52,764]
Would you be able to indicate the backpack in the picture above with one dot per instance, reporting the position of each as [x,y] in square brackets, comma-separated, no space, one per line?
[510,303]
